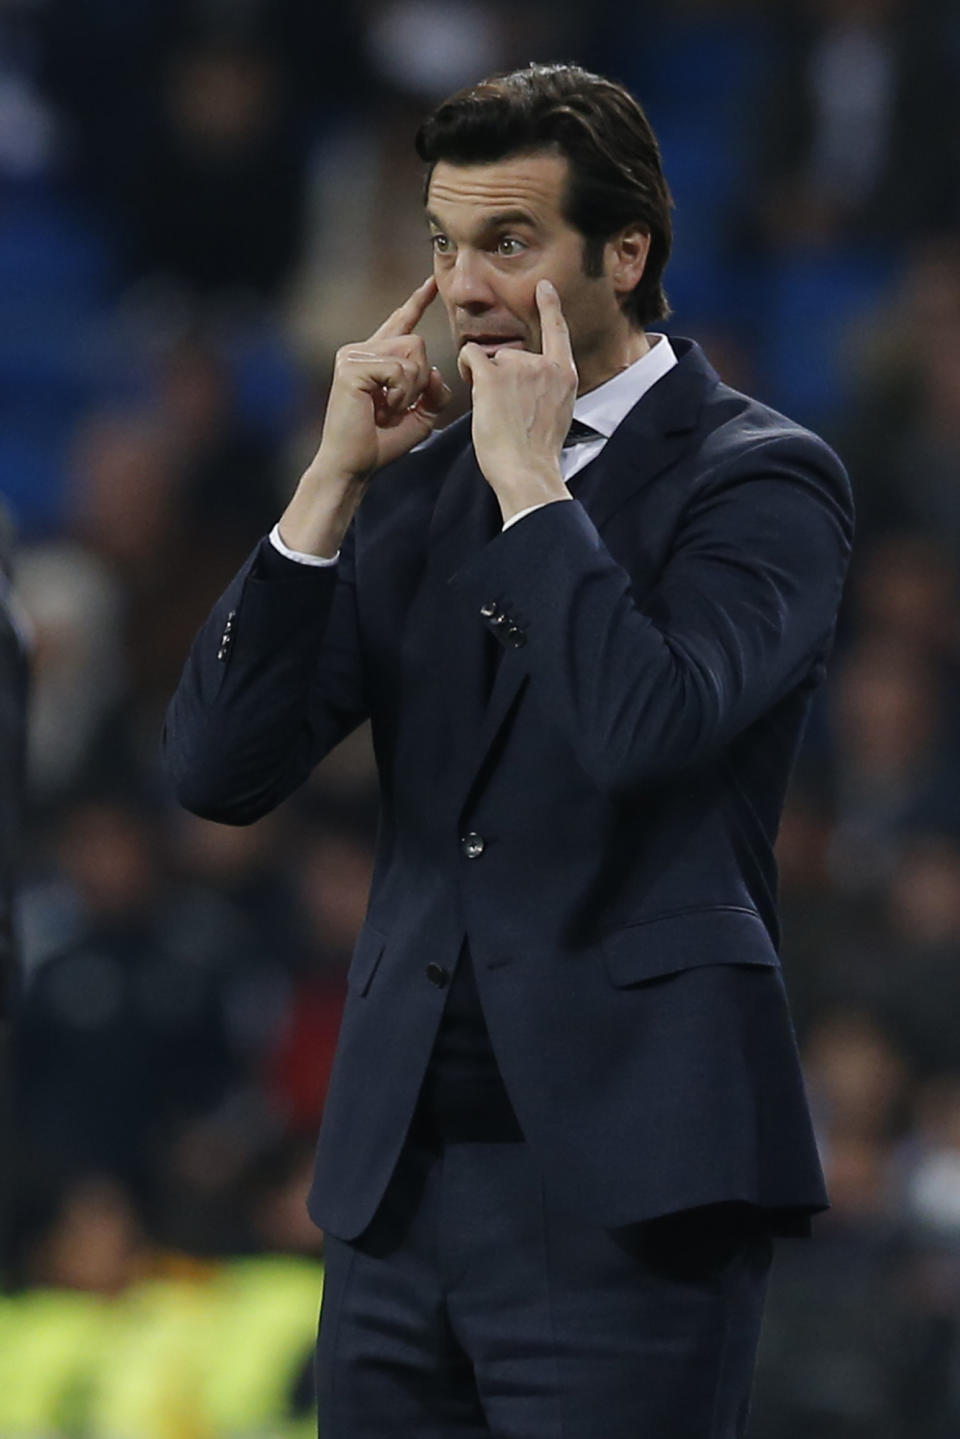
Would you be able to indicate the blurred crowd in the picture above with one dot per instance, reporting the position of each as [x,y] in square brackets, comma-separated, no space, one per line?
[200,200]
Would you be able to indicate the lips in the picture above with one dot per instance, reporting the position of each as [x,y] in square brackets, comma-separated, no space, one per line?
[493,342]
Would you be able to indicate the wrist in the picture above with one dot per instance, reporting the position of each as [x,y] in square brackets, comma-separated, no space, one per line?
[319,514]
[529,488]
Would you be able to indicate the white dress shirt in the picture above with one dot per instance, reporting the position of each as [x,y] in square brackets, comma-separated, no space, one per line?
[602,409]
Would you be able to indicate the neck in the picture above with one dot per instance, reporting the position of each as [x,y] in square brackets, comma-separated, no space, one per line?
[630,347]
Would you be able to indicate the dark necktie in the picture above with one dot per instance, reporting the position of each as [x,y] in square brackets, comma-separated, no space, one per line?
[578,432]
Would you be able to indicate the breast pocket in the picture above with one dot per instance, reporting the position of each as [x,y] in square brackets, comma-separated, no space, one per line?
[367,954]
[687,939]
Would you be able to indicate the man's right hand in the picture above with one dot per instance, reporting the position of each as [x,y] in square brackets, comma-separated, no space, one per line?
[385,398]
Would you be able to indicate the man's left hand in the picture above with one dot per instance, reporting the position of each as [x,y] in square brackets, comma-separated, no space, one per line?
[522,407]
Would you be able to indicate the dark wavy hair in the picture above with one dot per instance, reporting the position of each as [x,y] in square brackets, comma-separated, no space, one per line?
[616,172]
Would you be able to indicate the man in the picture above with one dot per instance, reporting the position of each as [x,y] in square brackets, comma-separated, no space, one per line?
[567,1114]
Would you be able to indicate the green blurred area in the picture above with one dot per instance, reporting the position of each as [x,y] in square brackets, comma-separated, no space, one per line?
[223,1351]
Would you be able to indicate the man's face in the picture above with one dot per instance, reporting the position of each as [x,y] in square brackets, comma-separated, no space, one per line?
[496,230]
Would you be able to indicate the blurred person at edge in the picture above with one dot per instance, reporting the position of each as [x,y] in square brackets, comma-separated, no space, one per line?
[860,1331]
[919,950]
[895,757]
[13,742]
[847,1350]
[905,588]
[904,358]
[587,652]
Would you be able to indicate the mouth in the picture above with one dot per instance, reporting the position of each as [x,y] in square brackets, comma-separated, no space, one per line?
[490,344]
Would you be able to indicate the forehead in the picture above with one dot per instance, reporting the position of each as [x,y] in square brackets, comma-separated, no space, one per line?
[533,183]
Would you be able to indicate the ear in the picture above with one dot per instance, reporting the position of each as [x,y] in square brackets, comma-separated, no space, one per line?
[627,258]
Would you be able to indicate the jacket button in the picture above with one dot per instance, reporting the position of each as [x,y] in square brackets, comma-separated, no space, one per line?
[516,637]
[437,975]
[472,846]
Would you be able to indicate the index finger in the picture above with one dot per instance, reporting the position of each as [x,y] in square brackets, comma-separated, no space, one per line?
[407,316]
[554,334]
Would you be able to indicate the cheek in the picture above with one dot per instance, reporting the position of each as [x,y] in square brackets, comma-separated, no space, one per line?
[520,298]
[441,274]
[587,312]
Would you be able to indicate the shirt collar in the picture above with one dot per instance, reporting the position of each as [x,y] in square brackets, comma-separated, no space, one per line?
[603,408]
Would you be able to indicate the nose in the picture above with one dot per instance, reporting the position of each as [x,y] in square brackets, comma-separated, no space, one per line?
[465,284]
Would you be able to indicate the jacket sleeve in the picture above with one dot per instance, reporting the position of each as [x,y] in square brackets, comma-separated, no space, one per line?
[272,682]
[742,612]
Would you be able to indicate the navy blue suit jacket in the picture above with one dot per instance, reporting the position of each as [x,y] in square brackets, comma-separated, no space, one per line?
[625,763]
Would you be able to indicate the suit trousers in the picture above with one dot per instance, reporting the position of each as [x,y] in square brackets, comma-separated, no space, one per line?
[474,1305]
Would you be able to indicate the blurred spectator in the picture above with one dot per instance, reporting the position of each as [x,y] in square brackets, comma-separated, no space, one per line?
[854,135]
[225,472]
[428,49]
[127,506]
[904,589]
[852,1347]
[126,494]
[90,1238]
[122,1028]
[858,1081]
[220,199]
[332,876]
[895,753]
[854,156]
[116,1337]
[923,467]
[273,1193]
[825,959]
[889,355]
[76,610]
[931,1182]
[13,745]
[239,863]
[919,954]
[30,137]
[13,754]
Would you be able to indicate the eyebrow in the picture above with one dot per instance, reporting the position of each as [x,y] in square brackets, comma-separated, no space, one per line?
[494,222]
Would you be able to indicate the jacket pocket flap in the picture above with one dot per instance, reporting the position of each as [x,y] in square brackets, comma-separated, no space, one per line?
[366,956]
[687,940]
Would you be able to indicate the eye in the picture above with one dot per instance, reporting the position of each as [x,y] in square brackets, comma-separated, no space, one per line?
[440,243]
[509,245]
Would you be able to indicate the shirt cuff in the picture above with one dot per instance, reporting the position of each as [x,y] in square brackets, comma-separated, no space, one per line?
[529,511]
[320,561]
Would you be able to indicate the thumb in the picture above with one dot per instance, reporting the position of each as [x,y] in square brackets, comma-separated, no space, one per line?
[472,362]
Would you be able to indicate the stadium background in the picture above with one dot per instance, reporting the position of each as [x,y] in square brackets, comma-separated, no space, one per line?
[199,201]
